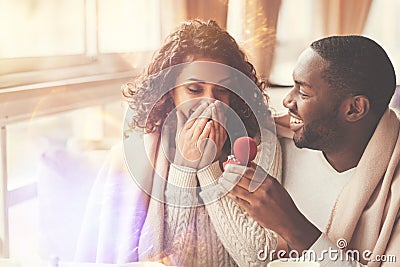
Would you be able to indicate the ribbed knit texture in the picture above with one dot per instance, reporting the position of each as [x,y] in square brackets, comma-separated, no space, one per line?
[220,233]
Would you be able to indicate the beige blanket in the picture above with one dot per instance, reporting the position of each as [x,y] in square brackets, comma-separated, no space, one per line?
[118,226]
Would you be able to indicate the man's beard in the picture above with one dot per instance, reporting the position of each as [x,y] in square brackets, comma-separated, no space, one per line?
[319,135]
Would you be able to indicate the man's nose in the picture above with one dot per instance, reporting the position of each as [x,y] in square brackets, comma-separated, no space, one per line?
[289,100]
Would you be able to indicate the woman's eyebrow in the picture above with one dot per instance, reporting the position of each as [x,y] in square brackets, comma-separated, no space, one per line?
[196,80]
[225,79]
[203,81]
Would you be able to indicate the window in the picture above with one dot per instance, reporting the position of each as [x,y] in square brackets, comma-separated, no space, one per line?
[383,26]
[42,28]
[87,37]
[128,25]
[62,64]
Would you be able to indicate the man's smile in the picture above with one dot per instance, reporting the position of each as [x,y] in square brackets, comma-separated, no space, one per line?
[295,122]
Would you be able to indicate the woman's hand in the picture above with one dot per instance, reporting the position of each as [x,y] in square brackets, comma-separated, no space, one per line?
[217,137]
[201,138]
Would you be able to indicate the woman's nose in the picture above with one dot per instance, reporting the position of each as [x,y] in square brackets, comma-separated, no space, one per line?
[208,98]
[209,93]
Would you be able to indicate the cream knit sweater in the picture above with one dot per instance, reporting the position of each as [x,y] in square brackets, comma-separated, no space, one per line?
[220,233]
[123,224]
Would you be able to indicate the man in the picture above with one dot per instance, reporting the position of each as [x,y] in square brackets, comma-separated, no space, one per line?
[342,191]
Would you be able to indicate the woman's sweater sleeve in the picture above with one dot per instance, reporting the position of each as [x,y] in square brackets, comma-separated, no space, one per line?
[241,235]
[180,213]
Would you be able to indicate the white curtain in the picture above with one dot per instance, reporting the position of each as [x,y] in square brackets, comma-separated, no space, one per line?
[342,17]
[251,22]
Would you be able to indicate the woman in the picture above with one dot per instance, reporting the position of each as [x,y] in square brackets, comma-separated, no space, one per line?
[182,120]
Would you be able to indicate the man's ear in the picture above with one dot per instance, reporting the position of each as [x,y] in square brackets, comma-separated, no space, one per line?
[356,108]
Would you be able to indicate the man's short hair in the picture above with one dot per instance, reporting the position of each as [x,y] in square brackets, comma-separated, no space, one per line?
[358,66]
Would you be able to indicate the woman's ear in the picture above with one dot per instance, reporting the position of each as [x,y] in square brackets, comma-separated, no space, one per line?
[356,108]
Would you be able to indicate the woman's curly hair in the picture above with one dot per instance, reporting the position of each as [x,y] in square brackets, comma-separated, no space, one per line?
[193,39]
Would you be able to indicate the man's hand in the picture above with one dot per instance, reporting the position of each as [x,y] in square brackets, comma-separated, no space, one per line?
[270,204]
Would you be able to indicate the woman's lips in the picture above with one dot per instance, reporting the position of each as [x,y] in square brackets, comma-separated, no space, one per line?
[295,123]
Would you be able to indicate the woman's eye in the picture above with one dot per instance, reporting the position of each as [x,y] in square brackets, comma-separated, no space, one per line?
[194,90]
[222,91]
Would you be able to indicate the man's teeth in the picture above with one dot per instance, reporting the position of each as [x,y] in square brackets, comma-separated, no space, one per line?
[296,121]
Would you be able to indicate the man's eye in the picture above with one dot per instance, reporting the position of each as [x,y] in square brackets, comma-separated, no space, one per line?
[303,94]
